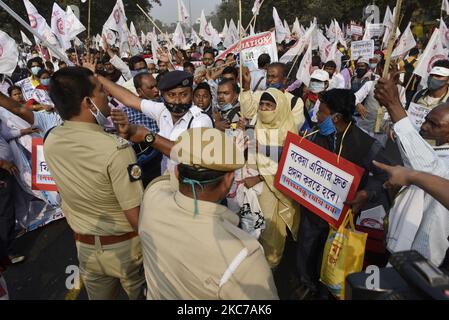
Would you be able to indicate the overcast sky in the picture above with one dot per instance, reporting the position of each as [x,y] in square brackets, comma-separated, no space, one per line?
[168,11]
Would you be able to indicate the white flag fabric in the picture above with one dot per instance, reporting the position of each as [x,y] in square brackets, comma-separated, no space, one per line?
[204,28]
[133,40]
[305,68]
[335,55]
[297,29]
[444,33]
[154,47]
[232,36]
[215,37]
[225,29]
[330,33]
[324,45]
[79,43]
[367,35]
[256,7]
[59,26]
[433,52]
[287,29]
[299,46]
[74,26]
[179,40]
[111,36]
[25,38]
[406,43]
[281,33]
[388,18]
[143,38]
[251,30]
[9,54]
[183,14]
[117,22]
[39,25]
[194,37]
[339,36]
[445,6]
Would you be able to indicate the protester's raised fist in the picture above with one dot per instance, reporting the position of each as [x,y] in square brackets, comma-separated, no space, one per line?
[386,92]
[246,79]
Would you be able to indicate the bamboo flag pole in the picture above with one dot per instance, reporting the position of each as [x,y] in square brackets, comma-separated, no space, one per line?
[397,14]
[254,18]
[240,45]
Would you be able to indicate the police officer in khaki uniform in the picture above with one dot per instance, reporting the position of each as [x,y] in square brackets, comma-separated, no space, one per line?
[100,186]
[192,246]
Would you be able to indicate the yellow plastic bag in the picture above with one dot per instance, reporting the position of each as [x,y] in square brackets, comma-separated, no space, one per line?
[343,254]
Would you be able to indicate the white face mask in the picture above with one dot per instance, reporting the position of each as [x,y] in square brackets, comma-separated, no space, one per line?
[99,117]
[316,87]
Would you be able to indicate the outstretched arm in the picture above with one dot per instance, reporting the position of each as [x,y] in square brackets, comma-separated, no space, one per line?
[16,108]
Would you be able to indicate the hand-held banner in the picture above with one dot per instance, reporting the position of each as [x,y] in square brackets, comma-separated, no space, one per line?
[41,177]
[313,176]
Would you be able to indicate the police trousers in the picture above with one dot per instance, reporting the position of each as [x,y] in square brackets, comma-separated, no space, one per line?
[104,268]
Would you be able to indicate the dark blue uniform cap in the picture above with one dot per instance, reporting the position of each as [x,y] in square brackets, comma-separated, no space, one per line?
[175,79]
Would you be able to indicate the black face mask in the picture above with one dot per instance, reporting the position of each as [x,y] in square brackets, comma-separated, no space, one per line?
[178,108]
[361,72]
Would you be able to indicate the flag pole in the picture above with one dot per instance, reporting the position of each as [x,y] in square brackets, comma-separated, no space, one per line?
[240,44]
[397,14]
[37,35]
[254,18]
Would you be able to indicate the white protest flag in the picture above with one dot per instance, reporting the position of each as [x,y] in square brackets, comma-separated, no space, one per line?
[133,41]
[215,37]
[324,45]
[9,54]
[143,38]
[256,7]
[110,35]
[74,26]
[339,36]
[179,40]
[388,23]
[59,26]
[183,14]
[194,37]
[406,43]
[281,33]
[25,38]
[232,36]
[204,30]
[79,43]
[117,22]
[388,18]
[154,47]
[287,29]
[445,6]
[299,46]
[367,35]
[335,55]
[225,28]
[444,33]
[297,29]
[330,33]
[38,24]
[433,52]
[305,68]
[251,30]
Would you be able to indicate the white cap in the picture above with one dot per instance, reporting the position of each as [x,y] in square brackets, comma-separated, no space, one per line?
[149,60]
[363,60]
[320,75]
[440,71]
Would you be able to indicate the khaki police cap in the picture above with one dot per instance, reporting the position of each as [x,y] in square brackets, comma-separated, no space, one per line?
[208,148]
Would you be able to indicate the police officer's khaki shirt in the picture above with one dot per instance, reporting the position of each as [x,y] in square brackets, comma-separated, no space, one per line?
[90,168]
[202,257]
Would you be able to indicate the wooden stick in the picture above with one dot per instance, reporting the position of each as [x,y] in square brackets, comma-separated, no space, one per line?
[254,18]
[240,44]
[380,111]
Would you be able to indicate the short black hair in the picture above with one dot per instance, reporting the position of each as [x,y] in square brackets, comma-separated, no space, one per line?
[40,73]
[316,61]
[138,79]
[234,85]
[281,66]
[204,86]
[211,51]
[414,52]
[231,70]
[330,64]
[230,54]
[263,60]
[68,87]
[442,63]
[49,65]
[135,60]
[188,65]
[61,62]
[11,88]
[36,59]
[340,101]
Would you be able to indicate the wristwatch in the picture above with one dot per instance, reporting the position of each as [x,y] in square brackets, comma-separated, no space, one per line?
[149,138]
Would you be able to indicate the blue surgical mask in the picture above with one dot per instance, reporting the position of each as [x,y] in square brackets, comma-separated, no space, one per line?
[99,117]
[226,107]
[373,66]
[45,82]
[35,70]
[276,85]
[327,127]
[136,72]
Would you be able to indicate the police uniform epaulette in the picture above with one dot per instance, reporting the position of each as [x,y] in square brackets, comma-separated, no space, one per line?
[248,242]
[121,143]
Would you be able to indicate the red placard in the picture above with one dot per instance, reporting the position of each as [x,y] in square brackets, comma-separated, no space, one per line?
[315,178]
[41,179]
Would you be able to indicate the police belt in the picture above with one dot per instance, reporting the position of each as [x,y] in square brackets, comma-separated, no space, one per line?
[104,240]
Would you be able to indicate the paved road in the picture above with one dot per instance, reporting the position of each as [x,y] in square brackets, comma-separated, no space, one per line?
[49,250]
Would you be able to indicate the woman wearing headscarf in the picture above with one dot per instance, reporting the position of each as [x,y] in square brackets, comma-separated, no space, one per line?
[338,133]
[274,121]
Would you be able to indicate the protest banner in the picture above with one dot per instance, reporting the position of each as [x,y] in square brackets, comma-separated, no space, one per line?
[417,114]
[253,47]
[376,29]
[317,179]
[362,49]
[41,177]
[356,30]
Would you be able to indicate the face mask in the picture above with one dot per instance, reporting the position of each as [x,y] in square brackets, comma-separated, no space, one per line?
[178,108]
[327,127]
[316,87]
[226,107]
[45,82]
[99,117]
[373,66]
[276,85]
[35,70]
[34,55]
[361,72]
[267,117]
[435,84]
[136,72]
